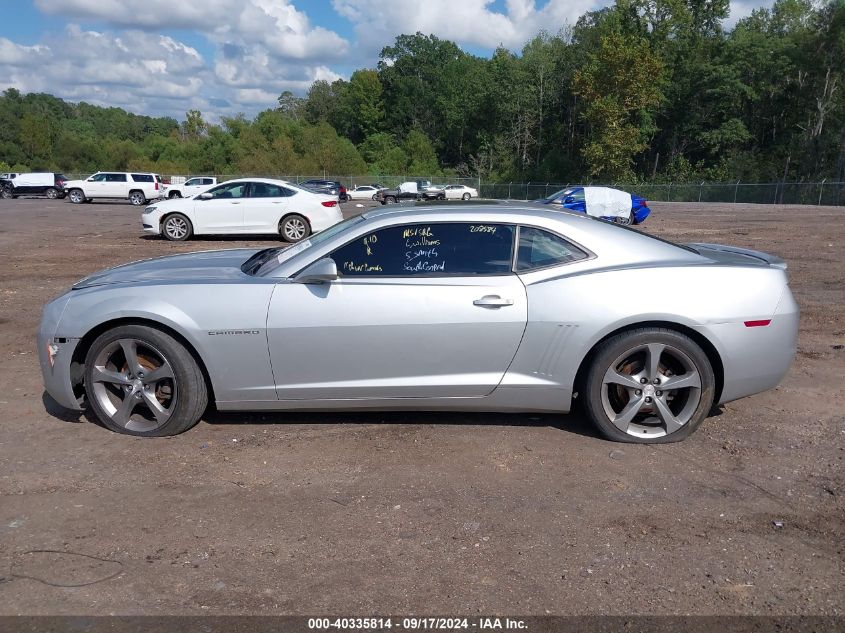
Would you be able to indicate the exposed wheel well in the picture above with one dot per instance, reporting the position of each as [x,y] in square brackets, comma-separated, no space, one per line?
[706,346]
[78,358]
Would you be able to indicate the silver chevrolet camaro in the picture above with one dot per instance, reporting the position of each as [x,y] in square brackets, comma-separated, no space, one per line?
[491,308]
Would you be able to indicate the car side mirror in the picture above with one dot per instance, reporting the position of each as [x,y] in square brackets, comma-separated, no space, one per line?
[321,271]
[204,196]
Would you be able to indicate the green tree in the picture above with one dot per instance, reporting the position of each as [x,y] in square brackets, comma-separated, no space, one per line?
[620,85]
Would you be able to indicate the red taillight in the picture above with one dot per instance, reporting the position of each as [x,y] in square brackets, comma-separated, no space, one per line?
[329,203]
[156,185]
[760,323]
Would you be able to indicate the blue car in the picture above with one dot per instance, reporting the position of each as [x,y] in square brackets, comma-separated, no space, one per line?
[601,202]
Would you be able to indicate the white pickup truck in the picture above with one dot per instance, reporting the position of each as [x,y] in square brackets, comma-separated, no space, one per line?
[191,187]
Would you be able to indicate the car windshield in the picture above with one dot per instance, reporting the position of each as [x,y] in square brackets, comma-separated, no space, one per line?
[272,257]
[560,194]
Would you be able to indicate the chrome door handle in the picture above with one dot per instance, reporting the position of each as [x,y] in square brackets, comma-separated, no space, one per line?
[492,301]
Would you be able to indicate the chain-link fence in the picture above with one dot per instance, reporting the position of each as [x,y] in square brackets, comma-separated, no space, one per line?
[348,181]
[816,193]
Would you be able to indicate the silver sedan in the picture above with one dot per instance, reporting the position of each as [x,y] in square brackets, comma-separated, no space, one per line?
[490,308]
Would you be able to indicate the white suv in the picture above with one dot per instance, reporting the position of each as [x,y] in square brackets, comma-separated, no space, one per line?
[137,187]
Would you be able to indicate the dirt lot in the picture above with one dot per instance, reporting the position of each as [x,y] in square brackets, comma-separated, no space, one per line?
[425,513]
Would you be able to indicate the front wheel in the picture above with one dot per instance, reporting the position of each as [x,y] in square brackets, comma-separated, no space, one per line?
[294,228]
[142,381]
[375,197]
[137,198]
[648,386]
[174,194]
[466,197]
[389,200]
[176,228]
[76,196]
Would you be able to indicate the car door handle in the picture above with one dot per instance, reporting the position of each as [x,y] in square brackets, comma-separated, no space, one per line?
[236,202]
[492,301]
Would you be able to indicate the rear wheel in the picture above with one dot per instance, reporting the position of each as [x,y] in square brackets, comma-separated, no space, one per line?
[625,220]
[649,386]
[176,228]
[52,193]
[141,381]
[294,228]
[76,196]
[137,198]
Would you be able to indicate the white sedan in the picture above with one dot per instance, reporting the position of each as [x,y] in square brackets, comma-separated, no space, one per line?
[362,192]
[245,205]
[460,192]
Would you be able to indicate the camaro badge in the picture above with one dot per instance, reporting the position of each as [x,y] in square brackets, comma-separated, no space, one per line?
[226,332]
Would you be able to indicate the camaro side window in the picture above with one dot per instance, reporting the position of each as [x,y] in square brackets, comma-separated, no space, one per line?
[429,249]
[539,249]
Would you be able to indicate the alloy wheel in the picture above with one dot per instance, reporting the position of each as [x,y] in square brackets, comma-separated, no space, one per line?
[294,229]
[651,390]
[134,384]
[176,228]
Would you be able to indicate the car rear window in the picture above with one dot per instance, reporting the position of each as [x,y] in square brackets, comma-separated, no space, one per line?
[142,177]
[540,249]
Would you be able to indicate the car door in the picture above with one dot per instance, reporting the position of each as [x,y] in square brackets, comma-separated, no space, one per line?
[418,311]
[223,212]
[96,186]
[266,206]
[116,186]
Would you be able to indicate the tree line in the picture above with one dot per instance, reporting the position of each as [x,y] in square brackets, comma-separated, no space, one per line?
[643,90]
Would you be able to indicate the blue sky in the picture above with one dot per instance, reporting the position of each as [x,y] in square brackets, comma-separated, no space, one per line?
[229,56]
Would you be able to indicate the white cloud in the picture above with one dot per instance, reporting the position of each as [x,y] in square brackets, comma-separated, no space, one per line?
[471,22]
[275,24]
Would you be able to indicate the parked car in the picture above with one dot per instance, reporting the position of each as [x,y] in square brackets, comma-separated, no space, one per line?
[37,183]
[363,192]
[245,205]
[137,187]
[460,192]
[601,202]
[330,187]
[191,187]
[488,308]
[410,190]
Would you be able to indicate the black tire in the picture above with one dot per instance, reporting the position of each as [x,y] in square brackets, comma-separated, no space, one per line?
[52,193]
[187,384]
[174,194]
[466,197]
[294,228]
[5,192]
[176,227]
[76,196]
[676,350]
[389,200]
[626,221]
[137,197]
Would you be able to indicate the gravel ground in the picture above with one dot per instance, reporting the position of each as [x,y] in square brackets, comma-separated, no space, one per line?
[378,513]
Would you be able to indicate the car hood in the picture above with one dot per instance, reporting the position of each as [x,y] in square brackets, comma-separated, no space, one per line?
[224,265]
